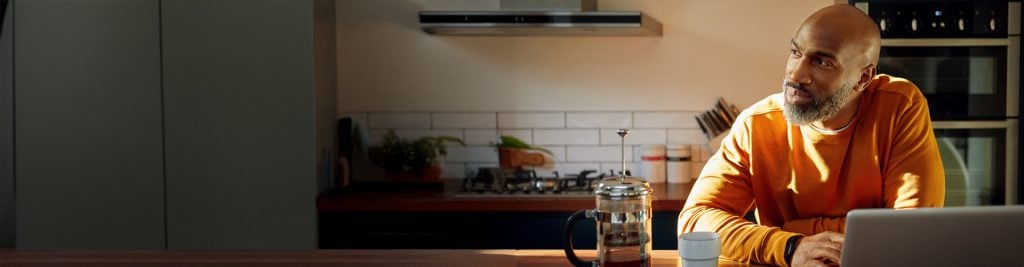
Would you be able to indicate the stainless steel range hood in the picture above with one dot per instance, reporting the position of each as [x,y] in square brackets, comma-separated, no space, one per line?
[523,18]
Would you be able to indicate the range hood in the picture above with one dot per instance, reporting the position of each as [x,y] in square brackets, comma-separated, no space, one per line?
[525,17]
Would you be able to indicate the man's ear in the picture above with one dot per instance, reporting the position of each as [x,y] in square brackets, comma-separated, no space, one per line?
[866,74]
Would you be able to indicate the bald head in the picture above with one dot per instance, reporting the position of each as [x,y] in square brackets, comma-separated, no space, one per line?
[833,59]
[848,29]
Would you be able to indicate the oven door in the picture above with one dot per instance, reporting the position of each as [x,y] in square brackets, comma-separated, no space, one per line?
[980,161]
[963,79]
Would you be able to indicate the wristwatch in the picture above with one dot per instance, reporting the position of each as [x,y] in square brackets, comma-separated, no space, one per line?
[791,248]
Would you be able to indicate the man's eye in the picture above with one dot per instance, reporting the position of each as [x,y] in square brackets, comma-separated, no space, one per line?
[794,52]
[822,63]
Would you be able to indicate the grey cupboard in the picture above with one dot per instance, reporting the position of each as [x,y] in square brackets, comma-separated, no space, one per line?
[88,152]
[6,130]
[169,124]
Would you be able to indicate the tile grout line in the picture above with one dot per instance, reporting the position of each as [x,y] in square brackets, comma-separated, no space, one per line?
[632,120]
[565,120]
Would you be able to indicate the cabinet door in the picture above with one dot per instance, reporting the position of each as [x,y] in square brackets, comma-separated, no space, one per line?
[88,141]
[241,145]
[6,131]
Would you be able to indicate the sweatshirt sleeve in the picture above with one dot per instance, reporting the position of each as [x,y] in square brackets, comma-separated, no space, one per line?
[816,225]
[914,177]
[720,197]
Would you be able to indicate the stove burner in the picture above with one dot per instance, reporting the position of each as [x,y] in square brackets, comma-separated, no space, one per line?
[521,181]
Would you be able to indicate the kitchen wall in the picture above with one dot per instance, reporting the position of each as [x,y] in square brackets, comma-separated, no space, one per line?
[565,93]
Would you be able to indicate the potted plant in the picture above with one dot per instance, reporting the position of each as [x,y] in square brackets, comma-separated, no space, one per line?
[511,154]
[416,161]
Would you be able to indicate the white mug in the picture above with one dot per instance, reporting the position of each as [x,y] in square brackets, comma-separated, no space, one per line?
[699,249]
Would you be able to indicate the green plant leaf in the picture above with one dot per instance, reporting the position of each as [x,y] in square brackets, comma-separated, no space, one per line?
[512,142]
[451,139]
[396,154]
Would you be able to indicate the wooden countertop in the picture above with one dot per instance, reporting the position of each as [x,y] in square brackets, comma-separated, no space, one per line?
[446,258]
[667,197]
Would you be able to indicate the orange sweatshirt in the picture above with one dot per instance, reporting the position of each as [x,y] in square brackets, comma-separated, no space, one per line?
[803,182]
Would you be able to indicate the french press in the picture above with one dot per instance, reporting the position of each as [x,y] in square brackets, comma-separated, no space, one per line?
[623,216]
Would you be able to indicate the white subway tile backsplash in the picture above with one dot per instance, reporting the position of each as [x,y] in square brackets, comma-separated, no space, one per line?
[376,136]
[633,167]
[453,171]
[399,120]
[566,137]
[599,120]
[450,133]
[481,137]
[578,140]
[525,135]
[665,120]
[472,154]
[635,137]
[686,136]
[464,120]
[531,120]
[557,154]
[565,168]
[597,153]
[638,152]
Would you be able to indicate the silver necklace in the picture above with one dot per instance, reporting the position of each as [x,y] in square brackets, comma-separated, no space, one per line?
[831,131]
[836,130]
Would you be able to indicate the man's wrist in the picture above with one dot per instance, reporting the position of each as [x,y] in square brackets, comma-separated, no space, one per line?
[791,244]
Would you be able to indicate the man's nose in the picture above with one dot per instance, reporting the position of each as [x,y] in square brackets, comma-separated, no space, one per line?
[799,71]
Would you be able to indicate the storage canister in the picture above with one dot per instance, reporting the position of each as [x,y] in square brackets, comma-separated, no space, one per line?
[677,163]
[653,163]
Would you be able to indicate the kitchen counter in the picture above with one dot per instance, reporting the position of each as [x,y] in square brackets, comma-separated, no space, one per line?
[667,197]
[448,258]
[371,217]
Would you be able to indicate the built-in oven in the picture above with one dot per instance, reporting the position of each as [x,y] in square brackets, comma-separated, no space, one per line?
[965,58]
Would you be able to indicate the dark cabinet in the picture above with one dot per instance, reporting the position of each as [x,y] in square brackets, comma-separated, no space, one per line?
[147,124]
[87,124]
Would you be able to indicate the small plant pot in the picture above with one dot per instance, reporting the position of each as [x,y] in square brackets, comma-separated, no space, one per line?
[511,158]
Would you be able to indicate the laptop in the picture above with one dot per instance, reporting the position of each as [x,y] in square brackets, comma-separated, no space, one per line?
[960,236]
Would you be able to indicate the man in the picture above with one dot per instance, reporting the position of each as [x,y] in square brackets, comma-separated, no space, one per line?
[838,138]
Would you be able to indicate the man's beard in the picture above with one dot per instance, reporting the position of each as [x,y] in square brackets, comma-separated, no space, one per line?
[820,108]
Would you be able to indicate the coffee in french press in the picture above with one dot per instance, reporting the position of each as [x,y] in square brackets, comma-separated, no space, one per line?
[623,216]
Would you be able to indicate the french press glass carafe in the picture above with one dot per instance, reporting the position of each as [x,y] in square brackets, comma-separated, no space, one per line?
[623,216]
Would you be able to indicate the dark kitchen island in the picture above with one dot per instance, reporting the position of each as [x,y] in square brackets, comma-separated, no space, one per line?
[373,218]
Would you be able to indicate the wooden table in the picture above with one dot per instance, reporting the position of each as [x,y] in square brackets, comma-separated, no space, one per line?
[446,258]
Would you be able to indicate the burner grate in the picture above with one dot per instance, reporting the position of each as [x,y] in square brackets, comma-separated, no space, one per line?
[496,182]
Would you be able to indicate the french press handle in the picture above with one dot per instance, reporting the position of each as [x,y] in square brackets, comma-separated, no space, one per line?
[567,241]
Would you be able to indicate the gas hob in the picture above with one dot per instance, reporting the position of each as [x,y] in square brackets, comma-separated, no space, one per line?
[522,183]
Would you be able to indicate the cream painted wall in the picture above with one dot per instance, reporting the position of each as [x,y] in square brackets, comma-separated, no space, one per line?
[730,48]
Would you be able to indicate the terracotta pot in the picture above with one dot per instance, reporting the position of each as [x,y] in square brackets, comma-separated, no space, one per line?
[511,158]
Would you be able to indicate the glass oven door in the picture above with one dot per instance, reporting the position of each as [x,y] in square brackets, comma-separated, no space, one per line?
[963,79]
[980,161]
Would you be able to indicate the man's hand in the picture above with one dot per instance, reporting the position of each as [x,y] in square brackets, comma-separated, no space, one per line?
[818,250]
